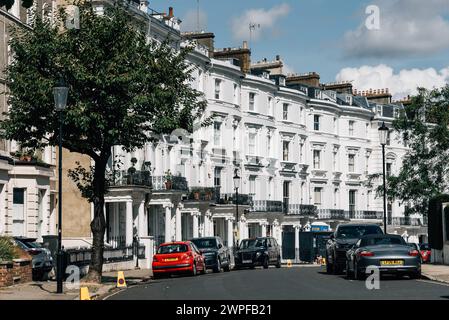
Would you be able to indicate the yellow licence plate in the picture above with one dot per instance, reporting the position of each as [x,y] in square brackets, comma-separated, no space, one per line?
[171,259]
[391,262]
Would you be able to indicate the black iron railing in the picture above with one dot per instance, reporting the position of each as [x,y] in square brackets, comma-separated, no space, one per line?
[82,257]
[302,209]
[267,206]
[130,178]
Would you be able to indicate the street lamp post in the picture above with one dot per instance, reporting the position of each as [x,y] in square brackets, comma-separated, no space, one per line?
[60,93]
[383,135]
[236,179]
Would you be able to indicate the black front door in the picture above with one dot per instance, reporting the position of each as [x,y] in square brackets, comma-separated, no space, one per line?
[306,246]
[288,242]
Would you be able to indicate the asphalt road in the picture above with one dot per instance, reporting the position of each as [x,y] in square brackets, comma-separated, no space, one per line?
[280,284]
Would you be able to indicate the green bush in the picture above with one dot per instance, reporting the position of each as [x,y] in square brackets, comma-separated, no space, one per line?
[7,249]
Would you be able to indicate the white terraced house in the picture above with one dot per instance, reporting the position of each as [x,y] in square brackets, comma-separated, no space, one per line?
[304,152]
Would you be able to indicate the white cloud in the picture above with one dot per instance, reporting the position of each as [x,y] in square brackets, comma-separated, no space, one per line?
[407,28]
[265,21]
[190,21]
[400,84]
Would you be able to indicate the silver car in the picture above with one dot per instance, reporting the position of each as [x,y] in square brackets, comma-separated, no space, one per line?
[42,259]
[390,253]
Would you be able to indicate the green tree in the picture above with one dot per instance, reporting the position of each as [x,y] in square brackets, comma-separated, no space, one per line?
[424,174]
[123,89]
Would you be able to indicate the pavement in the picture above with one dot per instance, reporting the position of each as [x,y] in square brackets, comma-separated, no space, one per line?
[436,272]
[46,290]
[311,283]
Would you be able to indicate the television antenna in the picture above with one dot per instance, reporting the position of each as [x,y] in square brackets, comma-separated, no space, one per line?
[252,27]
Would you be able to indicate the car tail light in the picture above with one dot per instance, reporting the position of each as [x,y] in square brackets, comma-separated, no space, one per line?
[366,254]
[413,253]
[155,259]
[34,252]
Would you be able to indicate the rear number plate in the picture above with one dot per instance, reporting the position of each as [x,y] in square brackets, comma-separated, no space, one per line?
[171,259]
[391,262]
[247,261]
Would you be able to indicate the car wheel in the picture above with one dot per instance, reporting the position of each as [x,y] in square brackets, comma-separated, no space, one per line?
[348,272]
[227,268]
[357,274]
[329,266]
[336,269]
[415,275]
[265,263]
[217,267]
[278,263]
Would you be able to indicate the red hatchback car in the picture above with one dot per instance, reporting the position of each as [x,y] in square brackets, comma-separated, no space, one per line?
[425,251]
[178,257]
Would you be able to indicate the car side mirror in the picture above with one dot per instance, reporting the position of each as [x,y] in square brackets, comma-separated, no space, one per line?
[220,246]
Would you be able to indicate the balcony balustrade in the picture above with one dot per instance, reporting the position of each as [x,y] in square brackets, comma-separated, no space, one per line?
[176,183]
[267,206]
[302,209]
[408,221]
[130,177]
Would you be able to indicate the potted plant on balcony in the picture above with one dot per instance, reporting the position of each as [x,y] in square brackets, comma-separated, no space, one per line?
[168,179]
[196,194]
[131,172]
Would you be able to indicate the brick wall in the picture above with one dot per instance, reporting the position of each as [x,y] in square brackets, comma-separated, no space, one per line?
[15,272]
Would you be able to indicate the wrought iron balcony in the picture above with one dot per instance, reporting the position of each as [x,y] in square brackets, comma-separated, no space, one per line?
[366,214]
[204,194]
[302,209]
[408,221]
[130,178]
[267,206]
[176,183]
[333,214]
[229,198]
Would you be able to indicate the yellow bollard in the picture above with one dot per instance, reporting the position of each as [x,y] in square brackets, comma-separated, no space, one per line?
[323,261]
[121,282]
[289,263]
[84,293]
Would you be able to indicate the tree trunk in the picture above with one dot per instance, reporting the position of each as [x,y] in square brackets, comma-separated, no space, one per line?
[98,224]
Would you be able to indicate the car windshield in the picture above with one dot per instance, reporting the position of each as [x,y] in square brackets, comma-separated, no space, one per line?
[205,243]
[172,248]
[381,241]
[253,243]
[424,246]
[357,231]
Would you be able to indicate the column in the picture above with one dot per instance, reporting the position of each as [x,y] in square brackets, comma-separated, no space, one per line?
[297,242]
[178,225]
[264,229]
[129,222]
[167,222]
[195,224]
[230,233]
[116,225]
[142,230]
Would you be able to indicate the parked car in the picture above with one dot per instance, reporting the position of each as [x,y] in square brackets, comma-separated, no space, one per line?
[42,261]
[261,251]
[178,257]
[426,252]
[341,240]
[415,247]
[216,255]
[390,253]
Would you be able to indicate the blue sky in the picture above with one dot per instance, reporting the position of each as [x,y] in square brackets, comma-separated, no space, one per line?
[410,48]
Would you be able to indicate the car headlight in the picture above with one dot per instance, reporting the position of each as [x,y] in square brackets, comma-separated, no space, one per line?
[258,254]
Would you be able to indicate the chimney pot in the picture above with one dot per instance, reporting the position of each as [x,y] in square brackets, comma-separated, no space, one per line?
[245,44]
[170,12]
